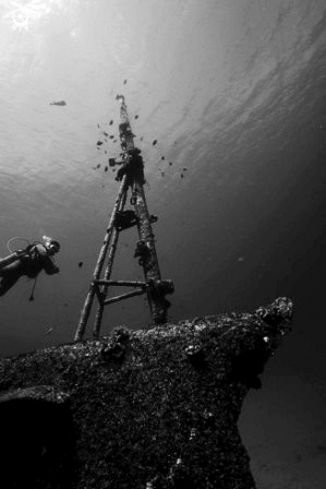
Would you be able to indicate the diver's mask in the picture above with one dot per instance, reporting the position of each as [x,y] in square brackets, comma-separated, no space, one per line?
[51,245]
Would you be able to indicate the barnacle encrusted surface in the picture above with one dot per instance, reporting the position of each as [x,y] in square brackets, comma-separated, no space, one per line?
[147,409]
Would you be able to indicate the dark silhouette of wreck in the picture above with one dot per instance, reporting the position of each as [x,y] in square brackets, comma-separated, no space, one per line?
[147,409]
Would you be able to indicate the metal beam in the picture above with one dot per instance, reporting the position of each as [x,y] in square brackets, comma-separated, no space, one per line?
[99,265]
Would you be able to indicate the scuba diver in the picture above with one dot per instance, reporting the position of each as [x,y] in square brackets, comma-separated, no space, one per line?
[29,262]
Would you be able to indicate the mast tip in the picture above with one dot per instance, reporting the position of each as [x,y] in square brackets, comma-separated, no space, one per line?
[120,98]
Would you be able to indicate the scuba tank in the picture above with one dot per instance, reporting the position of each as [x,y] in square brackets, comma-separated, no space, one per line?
[15,254]
[7,260]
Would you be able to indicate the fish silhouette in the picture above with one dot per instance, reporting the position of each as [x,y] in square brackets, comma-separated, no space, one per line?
[60,102]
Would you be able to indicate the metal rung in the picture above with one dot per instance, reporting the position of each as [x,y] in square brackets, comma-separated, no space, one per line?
[122,283]
[124,296]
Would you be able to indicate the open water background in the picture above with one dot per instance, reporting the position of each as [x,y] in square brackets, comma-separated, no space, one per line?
[235,94]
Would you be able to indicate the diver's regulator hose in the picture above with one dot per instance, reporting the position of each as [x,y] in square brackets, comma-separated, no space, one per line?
[15,238]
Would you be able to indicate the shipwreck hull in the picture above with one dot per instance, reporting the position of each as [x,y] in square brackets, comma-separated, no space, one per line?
[147,409]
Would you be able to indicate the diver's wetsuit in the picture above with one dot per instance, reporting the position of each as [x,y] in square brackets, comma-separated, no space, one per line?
[29,264]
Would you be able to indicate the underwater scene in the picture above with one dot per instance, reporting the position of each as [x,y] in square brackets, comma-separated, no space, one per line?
[226,104]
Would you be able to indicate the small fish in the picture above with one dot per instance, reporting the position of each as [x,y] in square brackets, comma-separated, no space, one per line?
[111,137]
[99,165]
[170,163]
[49,331]
[98,125]
[115,140]
[111,122]
[99,143]
[141,138]
[162,174]
[154,142]
[80,264]
[241,258]
[184,169]
[162,157]
[60,102]
[136,116]
[106,168]
[105,133]
[181,175]
[125,81]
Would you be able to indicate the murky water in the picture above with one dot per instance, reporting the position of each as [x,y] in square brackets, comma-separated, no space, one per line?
[233,91]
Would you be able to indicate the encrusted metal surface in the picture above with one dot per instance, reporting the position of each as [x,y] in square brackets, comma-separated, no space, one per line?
[157,408]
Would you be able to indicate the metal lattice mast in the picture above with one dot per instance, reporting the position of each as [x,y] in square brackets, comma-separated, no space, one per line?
[131,175]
